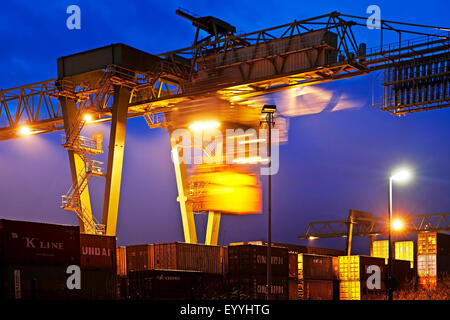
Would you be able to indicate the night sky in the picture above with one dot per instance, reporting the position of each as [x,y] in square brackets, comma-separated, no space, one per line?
[334,160]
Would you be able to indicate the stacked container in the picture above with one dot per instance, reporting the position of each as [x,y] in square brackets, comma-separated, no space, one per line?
[353,275]
[315,277]
[433,258]
[98,267]
[248,270]
[296,247]
[122,277]
[34,258]
[405,250]
[165,285]
[380,249]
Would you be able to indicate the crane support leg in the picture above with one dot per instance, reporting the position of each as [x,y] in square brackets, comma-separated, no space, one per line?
[187,213]
[77,165]
[115,158]
[212,231]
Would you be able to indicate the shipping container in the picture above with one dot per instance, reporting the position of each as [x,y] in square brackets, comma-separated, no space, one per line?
[122,287]
[189,257]
[427,283]
[293,288]
[296,248]
[35,282]
[316,267]
[293,265]
[213,287]
[254,287]
[140,257]
[121,253]
[315,290]
[98,285]
[98,252]
[405,250]
[35,243]
[165,285]
[405,275]
[433,265]
[354,268]
[358,290]
[335,262]
[433,243]
[252,259]
[380,249]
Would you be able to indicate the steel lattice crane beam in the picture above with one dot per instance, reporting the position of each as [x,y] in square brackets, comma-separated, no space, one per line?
[177,77]
[377,226]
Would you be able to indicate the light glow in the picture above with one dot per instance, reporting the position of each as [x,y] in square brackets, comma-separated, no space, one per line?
[24,131]
[397,224]
[402,175]
[88,117]
[204,125]
[312,238]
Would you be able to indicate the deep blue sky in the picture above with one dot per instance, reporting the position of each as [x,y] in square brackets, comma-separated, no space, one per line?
[333,161]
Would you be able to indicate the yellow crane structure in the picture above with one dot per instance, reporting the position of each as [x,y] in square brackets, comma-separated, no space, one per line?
[219,74]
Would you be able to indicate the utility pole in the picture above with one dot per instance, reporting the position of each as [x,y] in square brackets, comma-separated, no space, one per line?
[269,110]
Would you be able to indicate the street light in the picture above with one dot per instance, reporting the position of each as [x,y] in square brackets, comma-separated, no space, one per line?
[24,131]
[401,175]
[397,224]
[87,117]
[268,111]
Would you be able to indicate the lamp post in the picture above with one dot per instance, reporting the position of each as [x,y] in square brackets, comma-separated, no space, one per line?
[269,110]
[401,175]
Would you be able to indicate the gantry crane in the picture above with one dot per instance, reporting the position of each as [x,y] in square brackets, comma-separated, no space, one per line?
[116,82]
[361,224]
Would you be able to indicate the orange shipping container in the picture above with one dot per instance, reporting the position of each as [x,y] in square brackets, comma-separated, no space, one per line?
[189,257]
[293,265]
[121,253]
[140,257]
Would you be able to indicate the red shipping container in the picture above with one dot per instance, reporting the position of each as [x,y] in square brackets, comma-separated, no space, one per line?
[35,243]
[315,289]
[293,265]
[98,252]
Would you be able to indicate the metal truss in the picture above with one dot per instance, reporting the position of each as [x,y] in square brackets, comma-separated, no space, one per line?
[377,226]
[175,78]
